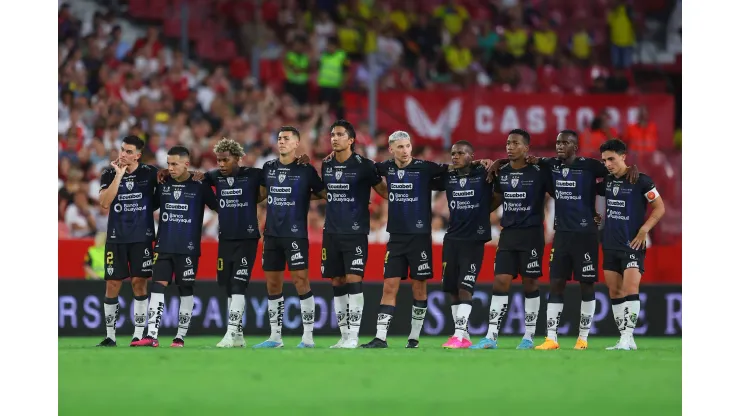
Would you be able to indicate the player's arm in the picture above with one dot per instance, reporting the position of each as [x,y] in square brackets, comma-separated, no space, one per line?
[486,163]
[318,190]
[601,188]
[376,180]
[497,165]
[496,201]
[109,183]
[438,183]
[262,193]
[650,192]
[209,197]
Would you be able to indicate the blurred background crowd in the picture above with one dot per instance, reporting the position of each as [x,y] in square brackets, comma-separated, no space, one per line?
[193,71]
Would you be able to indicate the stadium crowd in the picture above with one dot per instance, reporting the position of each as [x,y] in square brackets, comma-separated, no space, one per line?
[109,88]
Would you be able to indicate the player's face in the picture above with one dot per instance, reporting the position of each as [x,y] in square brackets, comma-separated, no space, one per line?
[613,161]
[516,147]
[287,143]
[226,162]
[340,140]
[177,165]
[401,150]
[565,146]
[129,155]
[461,156]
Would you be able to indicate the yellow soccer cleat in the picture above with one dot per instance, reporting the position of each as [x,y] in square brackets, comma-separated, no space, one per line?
[549,344]
[581,344]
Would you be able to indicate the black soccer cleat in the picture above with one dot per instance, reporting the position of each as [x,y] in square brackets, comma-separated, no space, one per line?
[413,343]
[375,343]
[107,343]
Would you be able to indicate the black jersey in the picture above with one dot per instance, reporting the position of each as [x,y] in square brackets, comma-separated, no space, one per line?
[237,199]
[524,195]
[130,219]
[626,206]
[348,194]
[469,198]
[289,188]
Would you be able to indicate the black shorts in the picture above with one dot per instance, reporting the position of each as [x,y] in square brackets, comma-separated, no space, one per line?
[235,260]
[343,254]
[124,260]
[183,266]
[619,261]
[461,263]
[409,254]
[575,255]
[519,252]
[276,251]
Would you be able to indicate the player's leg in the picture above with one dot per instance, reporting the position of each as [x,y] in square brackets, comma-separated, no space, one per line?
[449,278]
[561,270]
[612,265]
[506,268]
[631,289]
[163,268]
[186,268]
[140,257]
[298,266]
[242,271]
[396,269]
[224,271]
[470,262]
[355,259]
[273,263]
[332,268]
[420,268]
[587,274]
[116,270]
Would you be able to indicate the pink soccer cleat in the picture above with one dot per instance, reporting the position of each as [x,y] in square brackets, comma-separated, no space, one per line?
[177,343]
[147,341]
[456,343]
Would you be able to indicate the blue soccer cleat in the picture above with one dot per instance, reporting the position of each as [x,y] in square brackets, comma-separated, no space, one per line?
[269,344]
[485,344]
[304,345]
[526,344]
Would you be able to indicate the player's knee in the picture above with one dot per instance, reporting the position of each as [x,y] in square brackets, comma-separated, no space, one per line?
[186,290]
[112,287]
[530,285]
[502,282]
[464,294]
[138,285]
[390,286]
[158,287]
[557,286]
[237,287]
[588,292]
[338,281]
[616,292]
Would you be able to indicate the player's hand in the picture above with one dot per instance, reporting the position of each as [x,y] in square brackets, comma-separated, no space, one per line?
[120,170]
[633,174]
[329,157]
[303,160]
[597,219]
[198,175]
[532,160]
[640,241]
[162,175]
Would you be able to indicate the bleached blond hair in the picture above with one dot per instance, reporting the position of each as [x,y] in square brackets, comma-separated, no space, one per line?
[229,146]
[398,135]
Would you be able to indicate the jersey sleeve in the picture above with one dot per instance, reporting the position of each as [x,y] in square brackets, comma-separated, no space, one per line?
[648,189]
[314,182]
[381,168]
[497,185]
[436,169]
[597,168]
[546,162]
[372,173]
[107,178]
[438,183]
[257,172]
[262,177]
[209,197]
[601,188]
[210,177]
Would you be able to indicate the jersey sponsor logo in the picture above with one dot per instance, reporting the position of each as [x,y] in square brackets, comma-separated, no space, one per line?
[232,203]
[130,197]
[566,195]
[242,272]
[652,195]
[469,278]
[589,268]
[176,207]
[423,254]
[358,250]
[463,181]
[401,198]
[281,189]
[516,207]
[515,195]
[616,215]
[463,194]
[188,272]
[296,256]
[294,245]
[587,258]
[337,186]
[178,218]
[230,180]
[424,266]
[533,265]
[565,184]
[615,203]
[402,186]
[231,192]
[358,262]
[631,265]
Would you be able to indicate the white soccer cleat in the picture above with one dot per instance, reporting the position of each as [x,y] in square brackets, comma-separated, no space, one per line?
[340,343]
[350,344]
[232,341]
[623,344]
[633,346]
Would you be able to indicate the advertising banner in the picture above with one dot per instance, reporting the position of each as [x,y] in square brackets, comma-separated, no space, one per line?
[484,117]
[81,311]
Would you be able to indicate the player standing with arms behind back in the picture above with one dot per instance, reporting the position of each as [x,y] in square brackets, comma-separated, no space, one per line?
[182,202]
[522,239]
[348,178]
[128,188]
[288,187]
[624,237]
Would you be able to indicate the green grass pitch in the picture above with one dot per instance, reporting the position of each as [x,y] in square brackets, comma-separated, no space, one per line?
[201,379]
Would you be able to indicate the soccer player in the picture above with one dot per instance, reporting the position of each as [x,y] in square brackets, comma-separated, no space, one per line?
[347,178]
[521,187]
[288,187]
[624,237]
[128,189]
[575,249]
[469,196]
[409,249]
[182,201]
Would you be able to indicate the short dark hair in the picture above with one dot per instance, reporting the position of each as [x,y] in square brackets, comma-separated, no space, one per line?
[181,151]
[522,133]
[572,133]
[350,130]
[615,145]
[134,141]
[464,143]
[290,129]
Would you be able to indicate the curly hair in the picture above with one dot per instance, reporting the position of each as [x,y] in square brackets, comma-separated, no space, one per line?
[229,146]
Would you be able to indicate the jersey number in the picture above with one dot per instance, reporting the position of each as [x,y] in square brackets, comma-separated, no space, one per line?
[444,267]
[220,264]
[154,260]
[387,253]
[323,254]
[552,253]
[109,258]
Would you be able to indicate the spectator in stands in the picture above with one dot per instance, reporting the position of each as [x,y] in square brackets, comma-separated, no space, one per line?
[599,132]
[642,137]
[487,39]
[80,217]
[331,77]
[403,18]
[350,39]
[622,33]
[323,30]
[501,66]
[617,82]
[580,43]
[296,65]
[459,58]
[517,39]
[452,16]
[422,41]
[95,258]
[544,43]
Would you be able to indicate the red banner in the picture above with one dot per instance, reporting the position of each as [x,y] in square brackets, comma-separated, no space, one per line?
[662,264]
[484,117]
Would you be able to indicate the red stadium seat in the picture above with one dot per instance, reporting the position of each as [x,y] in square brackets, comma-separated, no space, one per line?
[239,68]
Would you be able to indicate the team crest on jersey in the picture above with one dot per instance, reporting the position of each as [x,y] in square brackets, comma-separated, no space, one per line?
[177,194]
[615,190]
[230,180]
[565,172]
[400,174]
[463,181]
[338,174]
[130,185]
[514,181]
[281,177]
